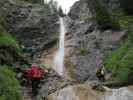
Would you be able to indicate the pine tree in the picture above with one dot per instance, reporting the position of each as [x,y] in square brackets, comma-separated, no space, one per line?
[127,6]
[60,11]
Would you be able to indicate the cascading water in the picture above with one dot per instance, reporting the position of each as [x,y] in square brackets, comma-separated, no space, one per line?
[59,57]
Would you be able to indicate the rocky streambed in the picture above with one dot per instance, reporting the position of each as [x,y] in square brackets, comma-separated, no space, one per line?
[84,92]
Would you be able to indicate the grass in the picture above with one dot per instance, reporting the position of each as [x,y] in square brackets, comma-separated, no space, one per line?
[9,85]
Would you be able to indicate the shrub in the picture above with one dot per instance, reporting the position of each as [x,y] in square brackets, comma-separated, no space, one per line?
[120,64]
[125,21]
[9,48]
[8,40]
[127,6]
[103,18]
[126,65]
[9,86]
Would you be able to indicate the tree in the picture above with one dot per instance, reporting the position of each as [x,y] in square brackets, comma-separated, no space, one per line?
[53,6]
[103,17]
[127,6]
[60,11]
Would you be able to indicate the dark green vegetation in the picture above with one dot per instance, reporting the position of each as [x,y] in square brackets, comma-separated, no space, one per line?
[60,12]
[103,18]
[127,6]
[120,63]
[126,22]
[9,48]
[9,86]
[9,53]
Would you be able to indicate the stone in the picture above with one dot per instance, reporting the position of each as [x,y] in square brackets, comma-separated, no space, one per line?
[32,24]
[84,35]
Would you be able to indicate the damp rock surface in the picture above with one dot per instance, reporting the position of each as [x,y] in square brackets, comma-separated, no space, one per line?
[82,92]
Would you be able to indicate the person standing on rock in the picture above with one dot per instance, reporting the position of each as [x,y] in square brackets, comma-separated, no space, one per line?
[35,75]
[101,76]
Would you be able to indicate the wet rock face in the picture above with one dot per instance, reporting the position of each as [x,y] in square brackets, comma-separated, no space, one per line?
[32,24]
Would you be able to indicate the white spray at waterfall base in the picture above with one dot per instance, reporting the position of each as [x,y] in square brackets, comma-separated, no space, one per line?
[59,57]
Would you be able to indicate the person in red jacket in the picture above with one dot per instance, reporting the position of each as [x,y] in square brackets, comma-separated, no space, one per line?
[35,75]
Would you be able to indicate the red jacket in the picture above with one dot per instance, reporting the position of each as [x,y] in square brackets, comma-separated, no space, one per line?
[35,73]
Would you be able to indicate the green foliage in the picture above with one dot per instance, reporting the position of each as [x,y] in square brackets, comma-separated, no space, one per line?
[9,48]
[125,21]
[103,18]
[127,6]
[7,40]
[113,61]
[9,86]
[126,65]
[120,63]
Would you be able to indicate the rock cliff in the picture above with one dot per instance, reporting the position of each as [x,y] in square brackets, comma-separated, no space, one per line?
[86,45]
[34,25]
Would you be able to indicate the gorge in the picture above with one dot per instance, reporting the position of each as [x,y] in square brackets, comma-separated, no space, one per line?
[70,49]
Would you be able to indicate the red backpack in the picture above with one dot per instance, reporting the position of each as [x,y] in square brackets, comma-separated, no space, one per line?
[35,73]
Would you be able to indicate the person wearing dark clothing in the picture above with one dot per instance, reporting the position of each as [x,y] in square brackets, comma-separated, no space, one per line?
[35,75]
[101,76]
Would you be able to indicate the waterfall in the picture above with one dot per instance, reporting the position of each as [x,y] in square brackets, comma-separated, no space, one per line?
[59,57]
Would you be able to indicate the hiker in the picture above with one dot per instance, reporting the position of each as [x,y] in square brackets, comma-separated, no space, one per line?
[34,75]
[101,75]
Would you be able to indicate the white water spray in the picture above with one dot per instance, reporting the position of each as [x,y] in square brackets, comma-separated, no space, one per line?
[59,57]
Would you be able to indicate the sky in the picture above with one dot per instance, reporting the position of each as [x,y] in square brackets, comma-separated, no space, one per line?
[66,4]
